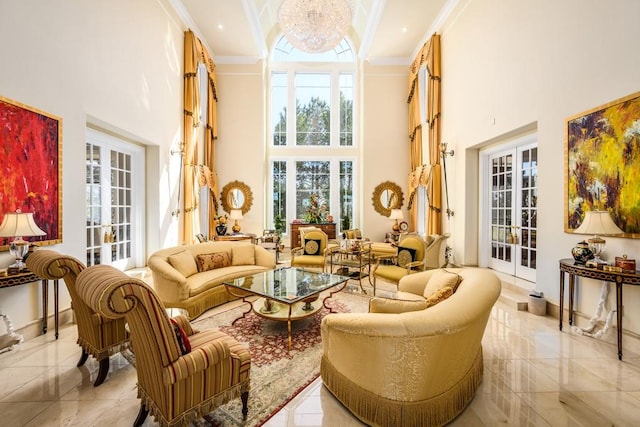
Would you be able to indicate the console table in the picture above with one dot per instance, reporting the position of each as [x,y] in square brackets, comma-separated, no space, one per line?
[29,277]
[235,237]
[574,270]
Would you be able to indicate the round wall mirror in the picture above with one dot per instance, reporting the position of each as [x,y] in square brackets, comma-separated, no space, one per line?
[236,195]
[387,196]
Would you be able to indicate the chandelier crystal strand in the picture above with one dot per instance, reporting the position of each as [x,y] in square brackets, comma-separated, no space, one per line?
[314,26]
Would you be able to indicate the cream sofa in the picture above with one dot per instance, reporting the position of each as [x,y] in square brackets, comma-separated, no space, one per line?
[403,364]
[182,281]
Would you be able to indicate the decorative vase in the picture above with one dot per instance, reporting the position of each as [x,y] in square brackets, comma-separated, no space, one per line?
[581,253]
[221,230]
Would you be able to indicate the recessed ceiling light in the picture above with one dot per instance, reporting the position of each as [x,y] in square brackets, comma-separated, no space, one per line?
[405,29]
[220,27]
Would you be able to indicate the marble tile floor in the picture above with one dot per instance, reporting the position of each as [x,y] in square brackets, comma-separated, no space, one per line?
[534,375]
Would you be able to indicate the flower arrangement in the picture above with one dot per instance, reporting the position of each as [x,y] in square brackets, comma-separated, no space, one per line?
[220,219]
[317,211]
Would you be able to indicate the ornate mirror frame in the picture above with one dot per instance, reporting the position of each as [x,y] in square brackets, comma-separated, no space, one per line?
[228,192]
[388,189]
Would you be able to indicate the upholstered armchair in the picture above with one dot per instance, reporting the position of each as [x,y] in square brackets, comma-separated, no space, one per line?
[409,362]
[408,259]
[98,336]
[313,252]
[182,373]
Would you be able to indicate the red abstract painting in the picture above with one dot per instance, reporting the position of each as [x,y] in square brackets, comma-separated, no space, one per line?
[30,169]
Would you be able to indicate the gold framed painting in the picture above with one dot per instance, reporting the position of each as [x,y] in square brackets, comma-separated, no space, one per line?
[602,164]
[31,142]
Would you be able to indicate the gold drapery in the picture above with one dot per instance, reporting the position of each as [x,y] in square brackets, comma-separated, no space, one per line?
[194,54]
[429,55]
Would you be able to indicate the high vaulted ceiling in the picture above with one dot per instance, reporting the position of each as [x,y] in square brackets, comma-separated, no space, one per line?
[383,31]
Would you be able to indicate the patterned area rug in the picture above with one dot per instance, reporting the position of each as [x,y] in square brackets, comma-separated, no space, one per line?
[277,374]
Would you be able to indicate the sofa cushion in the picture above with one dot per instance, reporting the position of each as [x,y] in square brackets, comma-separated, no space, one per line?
[243,255]
[184,262]
[439,296]
[312,246]
[213,260]
[440,279]
[386,305]
[406,256]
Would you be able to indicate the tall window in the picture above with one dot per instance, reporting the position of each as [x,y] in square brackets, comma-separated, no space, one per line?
[313,148]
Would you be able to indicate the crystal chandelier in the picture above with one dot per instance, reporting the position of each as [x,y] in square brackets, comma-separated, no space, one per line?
[314,26]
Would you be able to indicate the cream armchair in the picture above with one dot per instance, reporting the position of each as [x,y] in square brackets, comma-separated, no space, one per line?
[411,366]
[182,373]
[408,258]
[313,252]
[428,254]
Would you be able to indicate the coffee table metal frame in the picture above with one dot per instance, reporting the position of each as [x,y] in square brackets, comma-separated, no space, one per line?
[286,294]
[357,258]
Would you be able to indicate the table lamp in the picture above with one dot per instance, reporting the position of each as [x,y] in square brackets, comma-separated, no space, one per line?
[396,214]
[235,214]
[18,224]
[597,223]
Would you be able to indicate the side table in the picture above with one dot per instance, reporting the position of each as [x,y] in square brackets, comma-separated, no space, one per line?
[574,270]
[28,277]
[357,258]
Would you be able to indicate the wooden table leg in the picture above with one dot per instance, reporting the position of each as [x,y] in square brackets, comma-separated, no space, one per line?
[55,305]
[45,304]
[619,316]
[572,284]
[561,297]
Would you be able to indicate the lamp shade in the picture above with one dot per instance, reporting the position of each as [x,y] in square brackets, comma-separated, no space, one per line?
[19,224]
[396,214]
[235,214]
[598,223]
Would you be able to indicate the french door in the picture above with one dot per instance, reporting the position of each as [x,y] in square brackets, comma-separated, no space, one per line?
[512,209]
[114,201]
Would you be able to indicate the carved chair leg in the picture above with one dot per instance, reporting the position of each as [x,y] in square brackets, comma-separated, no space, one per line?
[245,400]
[142,415]
[83,358]
[102,372]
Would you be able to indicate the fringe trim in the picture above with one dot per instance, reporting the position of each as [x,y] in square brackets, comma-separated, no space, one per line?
[106,352]
[195,413]
[200,303]
[375,410]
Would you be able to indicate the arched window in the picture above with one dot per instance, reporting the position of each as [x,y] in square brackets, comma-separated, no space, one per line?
[312,146]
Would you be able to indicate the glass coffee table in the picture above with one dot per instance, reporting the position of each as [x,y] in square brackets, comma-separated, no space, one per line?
[286,294]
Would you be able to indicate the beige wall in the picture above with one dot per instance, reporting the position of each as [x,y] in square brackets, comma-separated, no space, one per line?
[241,142]
[90,63]
[531,64]
[385,140]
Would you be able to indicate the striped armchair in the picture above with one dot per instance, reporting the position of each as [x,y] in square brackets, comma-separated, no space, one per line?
[97,335]
[175,385]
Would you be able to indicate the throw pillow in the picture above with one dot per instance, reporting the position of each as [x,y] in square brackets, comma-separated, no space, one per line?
[312,246]
[212,261]
[184,262]
[243,254]
[181,336]
[405,256]
[385,305]
[439,279]
[439,296]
